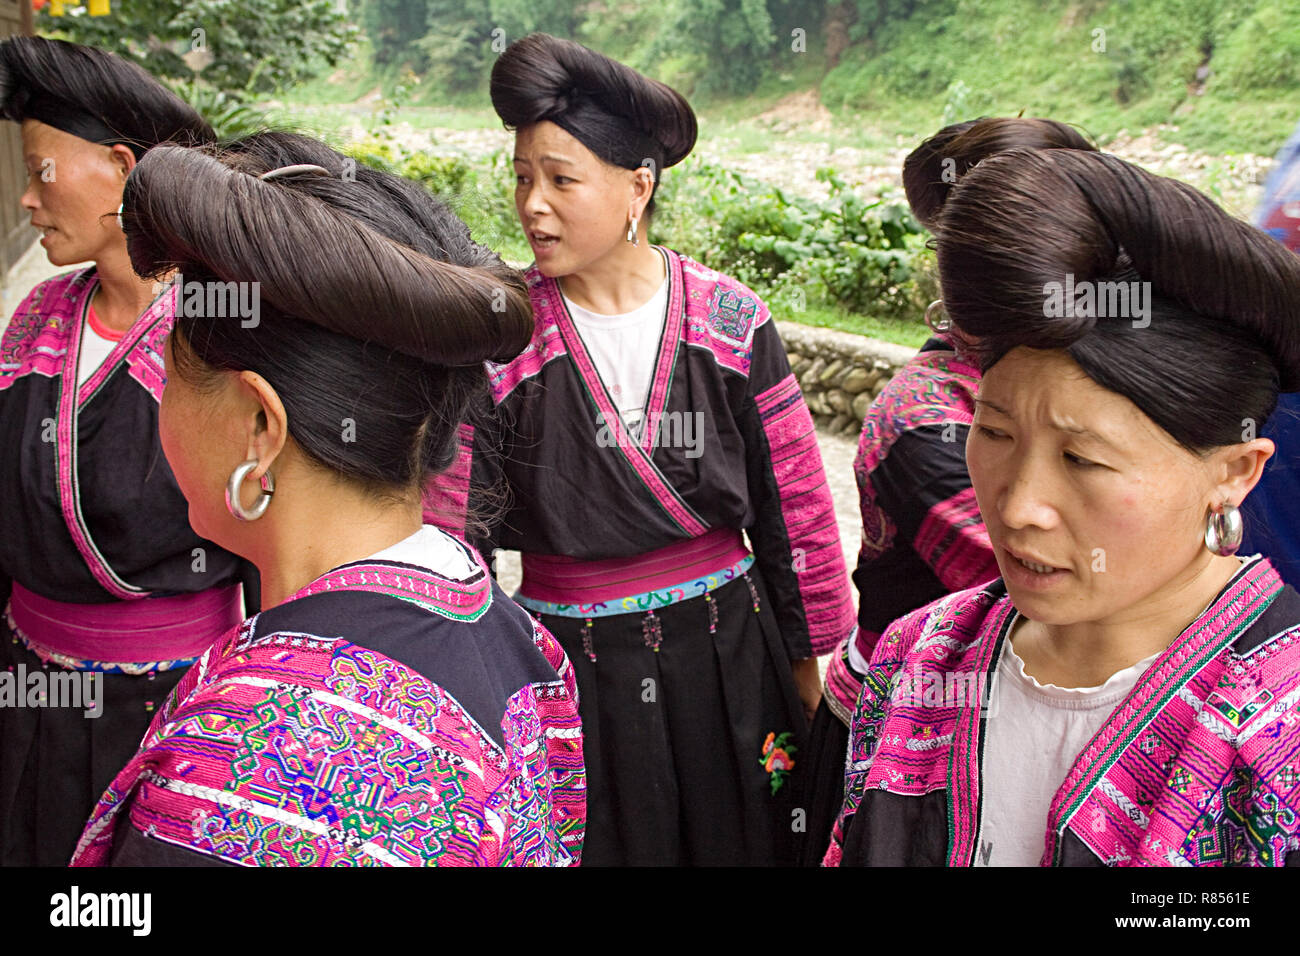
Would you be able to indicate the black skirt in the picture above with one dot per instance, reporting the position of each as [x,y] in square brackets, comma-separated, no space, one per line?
[828,745]
[674,738]
[55,762]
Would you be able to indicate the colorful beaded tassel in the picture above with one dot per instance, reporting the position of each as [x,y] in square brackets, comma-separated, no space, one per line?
[713,613]
[651,631]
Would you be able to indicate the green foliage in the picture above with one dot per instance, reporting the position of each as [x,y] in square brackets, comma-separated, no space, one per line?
[848,252]
[256,45]
[725,45]
[1264,52]
[518,18]
[452,43]
[392,26]
[728,42]
[229,116]
[480,194]
[455,44]
[1215,67]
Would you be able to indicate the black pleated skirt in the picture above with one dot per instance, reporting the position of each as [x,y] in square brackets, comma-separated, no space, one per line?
[828,744]
[55,762]
[674,738]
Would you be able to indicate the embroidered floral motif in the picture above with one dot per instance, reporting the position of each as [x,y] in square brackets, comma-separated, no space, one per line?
[776,758]
[731,314]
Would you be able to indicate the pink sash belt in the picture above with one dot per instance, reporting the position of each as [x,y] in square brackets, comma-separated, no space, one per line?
[561,580]
[151,629]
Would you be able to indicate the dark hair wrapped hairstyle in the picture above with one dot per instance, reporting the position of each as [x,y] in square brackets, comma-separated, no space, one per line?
[1222,334]
[933,168]
[621,116]
[93,94]
[376,306]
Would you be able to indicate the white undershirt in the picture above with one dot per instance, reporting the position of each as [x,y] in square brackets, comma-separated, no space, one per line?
[1034,734]
[433,549]
[624,348]
[94,350]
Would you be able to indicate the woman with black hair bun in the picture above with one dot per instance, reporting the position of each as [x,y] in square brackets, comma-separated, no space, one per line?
[1125,693]
[105,590]
[389,705]
[653,425]
[922,535]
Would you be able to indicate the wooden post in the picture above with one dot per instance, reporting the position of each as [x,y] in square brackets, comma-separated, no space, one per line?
[16,236]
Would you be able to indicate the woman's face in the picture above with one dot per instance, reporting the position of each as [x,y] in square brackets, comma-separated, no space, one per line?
[573,206]
[1074,478]
[74,188]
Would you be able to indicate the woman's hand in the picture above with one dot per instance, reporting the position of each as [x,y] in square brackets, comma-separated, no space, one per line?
[808,679]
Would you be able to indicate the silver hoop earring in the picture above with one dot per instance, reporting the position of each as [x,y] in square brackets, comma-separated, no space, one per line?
[120,224]
[933,310]
[632,237]
[233,504]
[1224,530]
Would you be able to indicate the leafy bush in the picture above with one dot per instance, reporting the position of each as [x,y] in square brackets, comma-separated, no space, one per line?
[227,113]
[254,46]
[480,194]
[865,256]
[1264,52]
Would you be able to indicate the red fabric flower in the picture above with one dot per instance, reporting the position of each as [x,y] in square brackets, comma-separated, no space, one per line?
[778,759]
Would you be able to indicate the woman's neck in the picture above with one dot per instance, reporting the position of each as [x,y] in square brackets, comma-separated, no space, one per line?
[1087,653]
[621,281]
[322,526]
[122,295]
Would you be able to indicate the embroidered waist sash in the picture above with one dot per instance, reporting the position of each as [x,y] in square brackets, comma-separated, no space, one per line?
[168,631]
[554,584]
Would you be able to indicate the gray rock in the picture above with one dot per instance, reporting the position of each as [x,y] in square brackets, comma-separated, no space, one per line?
[861,403]
[810,376]
[859,380]
[839,400]
[838,423]
[828,374]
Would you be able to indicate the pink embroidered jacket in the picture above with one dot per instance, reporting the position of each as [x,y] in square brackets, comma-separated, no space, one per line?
[729,444]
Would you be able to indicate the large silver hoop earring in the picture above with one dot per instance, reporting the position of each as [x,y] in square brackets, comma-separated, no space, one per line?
[1224,530]
[632,237]
[233,504]
[936,318]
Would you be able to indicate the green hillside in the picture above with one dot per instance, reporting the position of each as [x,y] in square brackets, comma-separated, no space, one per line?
[1226,72]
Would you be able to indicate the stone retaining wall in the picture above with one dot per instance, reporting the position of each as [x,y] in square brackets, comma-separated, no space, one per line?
[840,373]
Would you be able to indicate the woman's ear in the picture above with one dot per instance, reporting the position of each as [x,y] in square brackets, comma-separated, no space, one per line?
[122,155]
[643,185]
[266,422]
[1240,468]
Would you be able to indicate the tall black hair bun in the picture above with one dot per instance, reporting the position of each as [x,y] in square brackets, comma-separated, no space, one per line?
[542,77]
[1027,217]
[119,94]
[318,258]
